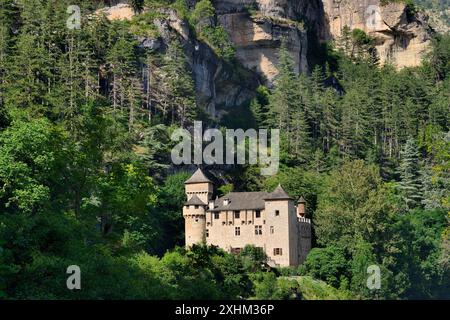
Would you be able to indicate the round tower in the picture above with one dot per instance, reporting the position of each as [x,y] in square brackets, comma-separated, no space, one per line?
[194,213]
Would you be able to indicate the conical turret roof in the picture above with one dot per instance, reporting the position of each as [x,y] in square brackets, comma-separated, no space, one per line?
[198,177]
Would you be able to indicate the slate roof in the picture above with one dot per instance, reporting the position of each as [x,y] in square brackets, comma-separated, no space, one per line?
[241,201]
[197,177]
[194,201]
[278,194]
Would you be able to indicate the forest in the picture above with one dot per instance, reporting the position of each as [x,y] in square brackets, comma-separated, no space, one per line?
[86,177]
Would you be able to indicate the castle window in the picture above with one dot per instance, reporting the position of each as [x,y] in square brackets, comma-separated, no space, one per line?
[237,231]
[207,233]
[258,214]
[196,207]
[272,229]
[277,212]
[258,230]
[216,216]
[237,214]
[277,251]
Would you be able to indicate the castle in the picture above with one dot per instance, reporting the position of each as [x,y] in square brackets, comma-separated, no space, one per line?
[268,220]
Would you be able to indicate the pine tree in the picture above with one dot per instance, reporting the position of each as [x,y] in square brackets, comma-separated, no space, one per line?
[258,106]
[354,124]
[257,112]
[344,42]
[284,99]
[410,184]
[179,88]
[288,111]
[29,74]
[7,12]
[329,119]
[314,104]
[137,5]
[126,91]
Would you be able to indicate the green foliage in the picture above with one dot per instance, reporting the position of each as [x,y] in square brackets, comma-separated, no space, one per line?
[226,188]
[204,10]
[85,121]
[202,19]
[353,206]
[137,5]
[313,289]
[269,287]
[288,112]
[253,258]
[328,264]
[410,185]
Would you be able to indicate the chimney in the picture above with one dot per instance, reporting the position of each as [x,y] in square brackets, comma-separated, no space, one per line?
[226,201]
[301,207]
[211,205]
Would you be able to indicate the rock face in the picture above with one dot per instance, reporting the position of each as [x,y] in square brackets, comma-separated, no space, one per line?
[257,40]
[120,11]
[257,27]
[215,84]
[401,37]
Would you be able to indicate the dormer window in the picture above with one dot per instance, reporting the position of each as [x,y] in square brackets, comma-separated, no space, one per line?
[226,201]
[216,216]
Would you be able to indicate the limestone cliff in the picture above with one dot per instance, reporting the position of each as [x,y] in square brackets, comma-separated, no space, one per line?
[216,84]
[257,27]
[402,37]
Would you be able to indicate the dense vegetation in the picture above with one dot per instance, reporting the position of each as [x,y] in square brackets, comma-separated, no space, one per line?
[441,8]
[85,176]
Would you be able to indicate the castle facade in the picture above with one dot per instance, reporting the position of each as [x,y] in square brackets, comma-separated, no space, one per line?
[268,220]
